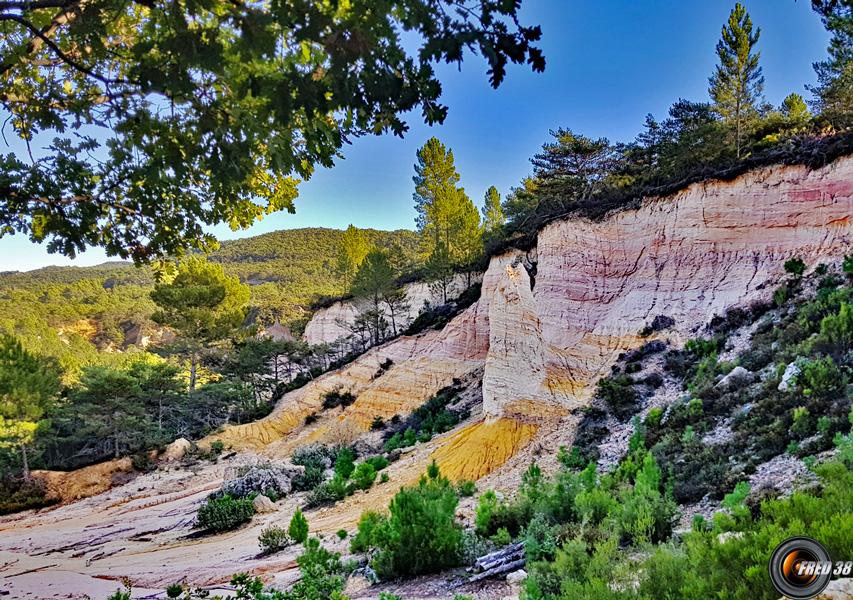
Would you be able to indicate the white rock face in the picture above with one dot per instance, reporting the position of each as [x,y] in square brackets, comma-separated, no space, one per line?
[788,377]
[329,325]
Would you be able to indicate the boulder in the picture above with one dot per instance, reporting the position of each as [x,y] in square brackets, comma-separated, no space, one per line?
[789,377]
[176,450]
[737,378]
[261,479]
[516,577]
[263,505]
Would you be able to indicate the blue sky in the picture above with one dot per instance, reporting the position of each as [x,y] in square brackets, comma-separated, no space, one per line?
[610,62]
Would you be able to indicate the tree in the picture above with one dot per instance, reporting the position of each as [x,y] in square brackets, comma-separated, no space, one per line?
[351,252]
[29,385]
[375,281]
[737,82]
[794,109]
[298,528]
[160,389]
[212,110]
[835,75]
[493,214]
[108,405]
[447,219]
[572,167]
[202,304]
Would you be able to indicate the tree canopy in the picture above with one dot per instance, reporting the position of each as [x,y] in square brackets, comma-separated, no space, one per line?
[192,113]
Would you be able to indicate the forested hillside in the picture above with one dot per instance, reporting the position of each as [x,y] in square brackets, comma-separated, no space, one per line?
[85,315]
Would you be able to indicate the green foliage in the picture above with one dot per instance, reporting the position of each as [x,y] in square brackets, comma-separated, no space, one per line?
[737,83]
[363,476]
[164,176]
[618,394]
[795,266]
[322,574]
[298,528]
[29,386]
[365,537]
[224,513]
[447,221]
[821,377]
[466,488]
[493,214]
[345,463]
[571,459]
[429,419]
[342,534]
[837,330]
[835,75]
[419,535]
[502,537]
[273,539]
[352,249]
[378,462]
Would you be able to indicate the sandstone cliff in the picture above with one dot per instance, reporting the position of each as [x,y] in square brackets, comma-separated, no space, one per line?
[544,341]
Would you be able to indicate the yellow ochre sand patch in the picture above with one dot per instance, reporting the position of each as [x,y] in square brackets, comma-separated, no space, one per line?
[478,449]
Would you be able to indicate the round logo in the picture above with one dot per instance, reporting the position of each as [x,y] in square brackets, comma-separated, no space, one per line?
[800,568]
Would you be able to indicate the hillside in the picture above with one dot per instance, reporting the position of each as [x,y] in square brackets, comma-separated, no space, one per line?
[513,377]
[84,315]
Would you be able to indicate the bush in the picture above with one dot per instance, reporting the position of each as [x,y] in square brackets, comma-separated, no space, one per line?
[336,398]
[501,537]
[329,492]
[298,528]
[21,493]
[364,476]
[821,377]
[364,539]
[466,488]
[571,459]
[618,394]
[795,266]
[273,539]
[377,424]
[378,462]
[224,513]
[837,330]
[420,534]
[322,575]
[342,534]
[345,463]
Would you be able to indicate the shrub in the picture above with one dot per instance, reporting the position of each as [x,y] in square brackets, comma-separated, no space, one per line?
[298,528]
[837,330]
[378,462]
[821,377]
[466,488]
[501,537]
[384,478]
[345,463]
[335,398]
[225,513]
[377,424]
[322,575]
[619,395]
[653,418]
[847,265]
[571,459]
[781,295]
[364,539]
[21,493]
[795,266]
[364,476]
[328,493]
[420,534]
[217,447]
[342,534]
[273,539]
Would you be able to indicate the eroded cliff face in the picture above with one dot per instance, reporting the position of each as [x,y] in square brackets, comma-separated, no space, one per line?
[544,344]
[328,325]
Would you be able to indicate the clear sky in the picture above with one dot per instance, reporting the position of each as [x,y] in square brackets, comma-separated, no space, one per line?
[609,63]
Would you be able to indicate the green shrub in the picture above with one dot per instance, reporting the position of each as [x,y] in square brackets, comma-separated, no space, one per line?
[217,447]
[273,539]
[384,478]
[501,537]
[618,394]
[795,266]
[364,476]
[364,539]
[781,295]
[420,534]
[573,459]
[345,463]
[654,417]
[337,398]
[225,513]
[837,330]
[322,575]
[466,488]
[298,528]
[377,424]
[378,462]
[847,265]
[342,534]
[821,377]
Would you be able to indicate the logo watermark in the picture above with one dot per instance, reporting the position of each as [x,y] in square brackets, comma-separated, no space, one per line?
[801,568]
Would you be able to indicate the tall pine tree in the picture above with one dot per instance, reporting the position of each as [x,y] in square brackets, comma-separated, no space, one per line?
[737,83]
[835,75]
[352,250]
[493,212]
[447,220]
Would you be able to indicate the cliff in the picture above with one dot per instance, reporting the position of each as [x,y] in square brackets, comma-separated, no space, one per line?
[551,321]
[548,324]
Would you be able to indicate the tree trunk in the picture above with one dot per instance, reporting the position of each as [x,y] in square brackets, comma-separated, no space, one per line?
[193,360]
[26,464]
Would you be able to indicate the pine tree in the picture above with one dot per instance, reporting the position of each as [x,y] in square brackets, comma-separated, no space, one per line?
[202,304]
[447,219]
[835,75]
[794,109]
[375,281]
[352,250]
[493,213]
[29,385]
[737,83]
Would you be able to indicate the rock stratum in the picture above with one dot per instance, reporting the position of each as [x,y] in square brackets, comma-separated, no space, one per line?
[548,324]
